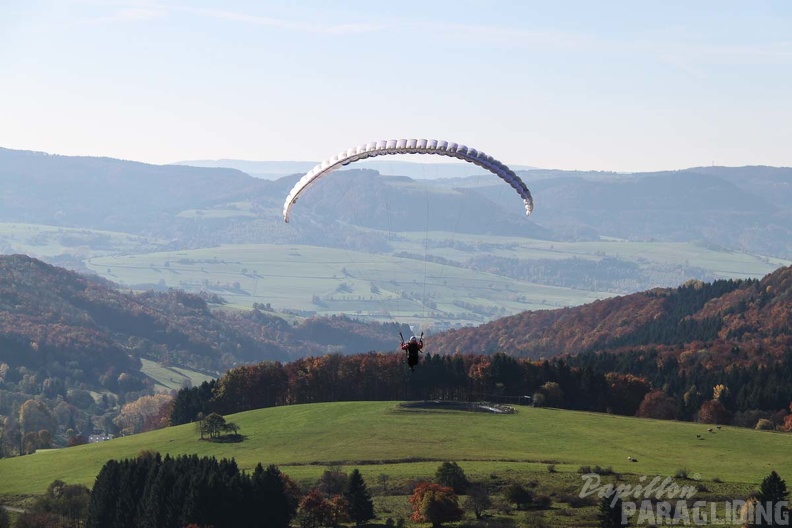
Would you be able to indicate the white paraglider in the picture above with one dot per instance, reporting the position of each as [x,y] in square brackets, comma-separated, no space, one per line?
[409,146]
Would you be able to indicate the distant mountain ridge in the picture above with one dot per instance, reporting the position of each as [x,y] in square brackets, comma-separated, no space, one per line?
[142,199]
[272,170]
[679,206]
[746,208]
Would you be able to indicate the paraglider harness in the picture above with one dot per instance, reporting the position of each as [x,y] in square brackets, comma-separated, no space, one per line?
[412,348]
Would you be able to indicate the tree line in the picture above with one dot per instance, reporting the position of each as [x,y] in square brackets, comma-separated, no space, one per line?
[644,383]
[155,492]
[187,491]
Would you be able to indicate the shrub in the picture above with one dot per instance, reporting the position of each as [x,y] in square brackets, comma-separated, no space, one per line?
[603,471]
[502,506]
[763,424]
[596,469]
[478,501]
[542,502]
[333,481]
[534,520]
[576,501]
[517,494]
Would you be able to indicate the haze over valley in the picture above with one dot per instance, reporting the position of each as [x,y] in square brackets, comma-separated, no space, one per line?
[514,264]
[387,247]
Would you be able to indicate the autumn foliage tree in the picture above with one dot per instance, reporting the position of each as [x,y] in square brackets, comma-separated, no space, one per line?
[713,412]
[658,405]
[553,394]
[145,414]
[788,420]
[435,504]
[35,416]
[338,510]
[626,393]
[315,510]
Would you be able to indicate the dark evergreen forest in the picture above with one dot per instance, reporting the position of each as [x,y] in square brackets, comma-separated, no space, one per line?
[154,492]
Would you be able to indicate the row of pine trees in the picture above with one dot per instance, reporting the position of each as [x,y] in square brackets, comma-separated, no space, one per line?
[155,492]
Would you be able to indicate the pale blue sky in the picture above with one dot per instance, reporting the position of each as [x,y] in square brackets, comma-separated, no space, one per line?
[626,86]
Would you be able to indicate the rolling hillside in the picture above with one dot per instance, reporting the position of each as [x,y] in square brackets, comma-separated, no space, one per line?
[51,318]
[495,450]
[304,439]
[61,330]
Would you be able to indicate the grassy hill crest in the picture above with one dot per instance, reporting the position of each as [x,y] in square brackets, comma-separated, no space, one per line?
[304,439]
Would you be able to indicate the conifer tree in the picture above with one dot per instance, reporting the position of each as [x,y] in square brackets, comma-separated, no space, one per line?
[772,491]
[5,520]
[610,513]
[101,509]
[361,507]
[275,507]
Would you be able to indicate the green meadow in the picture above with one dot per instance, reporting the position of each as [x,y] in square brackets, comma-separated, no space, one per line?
[382,438]
[721,262]
[44,241]
[172,378]
[386,287]
[329,281]
[421,287]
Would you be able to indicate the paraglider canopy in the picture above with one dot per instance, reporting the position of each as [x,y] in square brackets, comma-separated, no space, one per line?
[409,146]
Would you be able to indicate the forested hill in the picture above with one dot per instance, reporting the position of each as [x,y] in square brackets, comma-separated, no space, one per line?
[720,322]
[51,317]
[73,327]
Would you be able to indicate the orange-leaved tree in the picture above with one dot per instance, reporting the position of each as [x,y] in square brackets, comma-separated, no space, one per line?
[659,405]
[788,421]
[435,504]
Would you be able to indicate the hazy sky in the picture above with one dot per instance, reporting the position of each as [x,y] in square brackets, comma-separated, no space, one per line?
[604,85]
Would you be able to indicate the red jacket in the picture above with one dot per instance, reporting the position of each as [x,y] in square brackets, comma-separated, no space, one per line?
[415,346]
